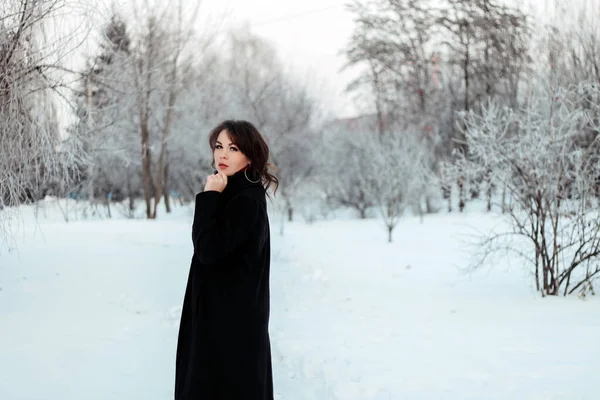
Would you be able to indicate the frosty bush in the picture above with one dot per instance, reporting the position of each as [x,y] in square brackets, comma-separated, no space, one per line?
[352,185]
[546,158]
[400,172]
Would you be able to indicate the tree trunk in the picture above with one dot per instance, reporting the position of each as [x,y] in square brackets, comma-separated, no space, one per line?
[147,169]
[466,75]
[108,200]
[537,272]
[489,195]
[378,101]
[363,212]
[160,171]
[474,188]
[90,126]
[166,188]
[447,194]
[461,194]
[545,280]
[190,188]
[130,195]
[90,186]
[428,205]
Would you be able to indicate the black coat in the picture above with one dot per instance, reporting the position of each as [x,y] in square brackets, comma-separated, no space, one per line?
[223,349]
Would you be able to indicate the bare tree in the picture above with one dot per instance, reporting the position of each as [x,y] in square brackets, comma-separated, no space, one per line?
[293,138]
[239,77]
[400,169]
[281,106]
[147,83]
[426,60]
[36,155]
[392,41]
[488,44]
[396,35]
[104,109]
[553,223]
[202,103]
[156,61]
[353,187]
[568,48]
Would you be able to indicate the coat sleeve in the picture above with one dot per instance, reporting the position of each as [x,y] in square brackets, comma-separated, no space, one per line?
[218,231]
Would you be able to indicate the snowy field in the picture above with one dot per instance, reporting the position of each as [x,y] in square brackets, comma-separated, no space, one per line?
[89,310]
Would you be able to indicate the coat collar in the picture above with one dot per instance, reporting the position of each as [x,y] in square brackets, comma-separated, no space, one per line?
[238,182]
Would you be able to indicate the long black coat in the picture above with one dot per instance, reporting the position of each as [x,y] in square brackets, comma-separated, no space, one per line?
[223,349]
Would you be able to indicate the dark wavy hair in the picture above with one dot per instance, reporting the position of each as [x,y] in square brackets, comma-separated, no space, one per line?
[253,145]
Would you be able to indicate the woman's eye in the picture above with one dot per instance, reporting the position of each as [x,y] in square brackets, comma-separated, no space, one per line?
[233,149]
[218,146]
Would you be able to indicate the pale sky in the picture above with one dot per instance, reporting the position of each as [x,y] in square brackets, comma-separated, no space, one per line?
[308,34]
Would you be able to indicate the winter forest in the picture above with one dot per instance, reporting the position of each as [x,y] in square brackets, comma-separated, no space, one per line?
[442,243]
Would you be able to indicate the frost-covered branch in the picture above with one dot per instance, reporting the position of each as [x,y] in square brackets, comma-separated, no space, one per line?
[36,155]
[551,175]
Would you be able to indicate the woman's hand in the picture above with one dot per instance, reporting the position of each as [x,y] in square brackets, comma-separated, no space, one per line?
[216,182]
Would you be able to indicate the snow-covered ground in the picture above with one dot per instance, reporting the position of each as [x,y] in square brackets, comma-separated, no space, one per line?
[89,311]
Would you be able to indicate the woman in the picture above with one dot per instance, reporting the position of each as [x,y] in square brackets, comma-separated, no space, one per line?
[223,350]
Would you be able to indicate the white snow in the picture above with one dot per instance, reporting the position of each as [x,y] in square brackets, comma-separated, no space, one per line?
[89,310]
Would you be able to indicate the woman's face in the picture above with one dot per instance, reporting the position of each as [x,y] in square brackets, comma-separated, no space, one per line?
[227,155]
